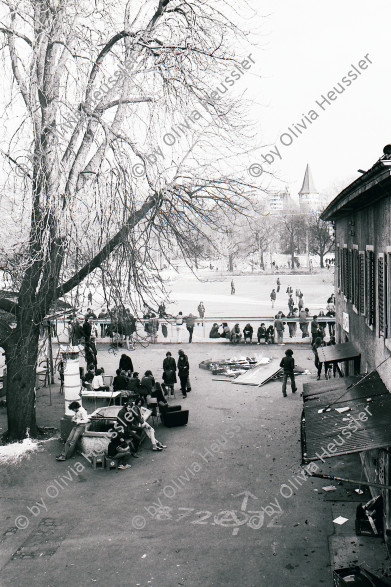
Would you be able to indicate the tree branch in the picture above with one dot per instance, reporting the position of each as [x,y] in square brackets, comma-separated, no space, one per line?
[105,252]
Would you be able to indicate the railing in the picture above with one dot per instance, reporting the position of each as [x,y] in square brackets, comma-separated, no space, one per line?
[201,331]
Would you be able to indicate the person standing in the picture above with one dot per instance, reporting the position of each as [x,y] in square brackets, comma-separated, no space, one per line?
[289,290]
[303,324]
[301,302]
[190,321]
[179,322]
[315,330]
[125,364]
[87,328]
[169,373]
[273,297]
[201,310]
[278,284]
[232,287]
[279,327]
[291,303]
[183,372]
[292,326]
[288,365]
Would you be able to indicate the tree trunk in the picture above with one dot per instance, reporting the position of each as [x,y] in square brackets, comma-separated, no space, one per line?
[321,260]
[231,262]
[21,361]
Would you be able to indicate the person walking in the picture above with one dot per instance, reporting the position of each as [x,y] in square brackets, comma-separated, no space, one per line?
[278,284]
[232,287]
[288,365]
[190,322]
[183,372]
[273,297]
[279,327]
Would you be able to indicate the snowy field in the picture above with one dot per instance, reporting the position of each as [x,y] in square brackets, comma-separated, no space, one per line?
[252,293]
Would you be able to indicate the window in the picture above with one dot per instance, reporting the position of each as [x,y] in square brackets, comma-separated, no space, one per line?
[370,287]
[339,268]
[349,290]
[345,271]
[355,280]
[361,282]
[382,295]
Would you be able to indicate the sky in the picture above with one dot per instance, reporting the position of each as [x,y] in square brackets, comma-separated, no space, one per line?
[303,49]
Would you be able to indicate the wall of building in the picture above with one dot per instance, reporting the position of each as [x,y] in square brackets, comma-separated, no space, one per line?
[370,226]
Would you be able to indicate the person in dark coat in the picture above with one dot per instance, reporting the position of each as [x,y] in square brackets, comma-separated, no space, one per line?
[270,335]
[288,365]
[125,363]
[169,373]
[183,372]
[248,333]
[214,331]
[134,383]
[261,333]
[120,381]
[87,329]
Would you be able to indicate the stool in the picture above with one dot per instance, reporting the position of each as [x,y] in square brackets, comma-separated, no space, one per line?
[111,463]
[98,461]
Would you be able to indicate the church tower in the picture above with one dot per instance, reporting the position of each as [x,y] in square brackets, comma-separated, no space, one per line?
[309,198]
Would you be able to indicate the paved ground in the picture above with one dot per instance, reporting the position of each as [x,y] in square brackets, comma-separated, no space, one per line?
[216,508]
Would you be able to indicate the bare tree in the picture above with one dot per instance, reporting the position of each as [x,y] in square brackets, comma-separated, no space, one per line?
[293,227]
[112,148]
[321,239]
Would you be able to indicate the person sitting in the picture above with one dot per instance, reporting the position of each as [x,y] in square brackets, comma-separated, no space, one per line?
[236,334]
[119,449]
[97,382]
[80,417]
[270,335]
[134,383]
[125,363]
[261,333]
[248,333]
[88,377]
[148,381]
[120,381]
[157,393]
[214,331]
[135,423]
[226,331]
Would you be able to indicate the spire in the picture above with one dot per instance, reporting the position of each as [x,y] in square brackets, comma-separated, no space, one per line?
[308,183]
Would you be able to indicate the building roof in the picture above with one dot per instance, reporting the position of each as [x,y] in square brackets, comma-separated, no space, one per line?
[308,186]
[371,186]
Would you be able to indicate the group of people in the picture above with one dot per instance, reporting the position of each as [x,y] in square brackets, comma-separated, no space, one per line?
[130,423]
[236,335]
[128,380]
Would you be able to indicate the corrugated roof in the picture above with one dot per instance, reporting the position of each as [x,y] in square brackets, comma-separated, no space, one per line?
[345,432]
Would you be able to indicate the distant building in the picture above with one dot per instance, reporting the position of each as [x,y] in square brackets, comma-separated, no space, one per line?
[309,198]
[362,218]
[280,201]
